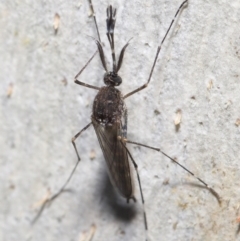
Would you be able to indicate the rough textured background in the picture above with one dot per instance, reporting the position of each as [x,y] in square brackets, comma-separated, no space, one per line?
[197,72]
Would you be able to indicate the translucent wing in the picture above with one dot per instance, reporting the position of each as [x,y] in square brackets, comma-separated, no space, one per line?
[116,157]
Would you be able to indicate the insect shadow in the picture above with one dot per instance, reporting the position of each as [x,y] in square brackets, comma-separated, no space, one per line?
[109,119]
[113,202]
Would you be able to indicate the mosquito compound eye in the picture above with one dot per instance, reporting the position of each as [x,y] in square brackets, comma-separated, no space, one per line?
[117,80]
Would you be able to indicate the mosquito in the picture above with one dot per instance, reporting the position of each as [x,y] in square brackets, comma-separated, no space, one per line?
[109,118]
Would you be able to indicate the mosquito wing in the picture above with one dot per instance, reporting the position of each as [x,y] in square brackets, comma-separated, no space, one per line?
[116,157]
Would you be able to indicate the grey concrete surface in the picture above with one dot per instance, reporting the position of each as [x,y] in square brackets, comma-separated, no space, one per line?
[41,109]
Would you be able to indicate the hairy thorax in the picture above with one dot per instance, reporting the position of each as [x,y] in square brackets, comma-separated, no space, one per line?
[108,106]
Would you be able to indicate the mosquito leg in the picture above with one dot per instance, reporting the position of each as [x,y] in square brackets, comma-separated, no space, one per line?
[187,170]
[156,57]
[76,136]
[95,20]
[139,183]
[79,73]
[49,200]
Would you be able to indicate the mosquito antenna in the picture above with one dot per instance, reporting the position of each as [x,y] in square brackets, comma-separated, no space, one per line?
[101,53]
[111,20]
[122,55]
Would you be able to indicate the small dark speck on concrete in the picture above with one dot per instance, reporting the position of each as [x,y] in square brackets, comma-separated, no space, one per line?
[156,112]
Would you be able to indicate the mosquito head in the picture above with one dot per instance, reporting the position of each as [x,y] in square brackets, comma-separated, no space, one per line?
[112,78]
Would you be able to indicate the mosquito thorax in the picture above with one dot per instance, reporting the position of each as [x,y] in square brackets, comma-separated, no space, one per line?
[112,78]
